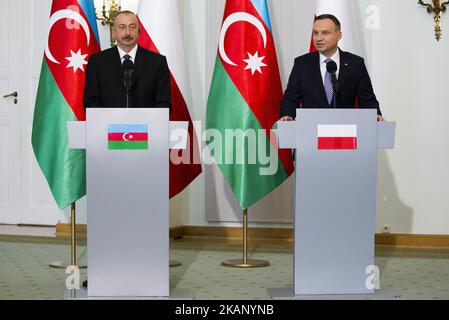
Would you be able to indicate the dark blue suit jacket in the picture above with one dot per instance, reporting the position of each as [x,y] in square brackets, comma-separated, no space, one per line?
[305,87]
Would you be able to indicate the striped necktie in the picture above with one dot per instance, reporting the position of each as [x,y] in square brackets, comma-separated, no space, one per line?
[328,87]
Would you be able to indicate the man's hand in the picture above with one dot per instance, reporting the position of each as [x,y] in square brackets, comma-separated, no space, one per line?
[380,118]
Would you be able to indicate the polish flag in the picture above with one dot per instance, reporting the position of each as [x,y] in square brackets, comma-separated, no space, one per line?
[160,26]
[347,11]
[337,137]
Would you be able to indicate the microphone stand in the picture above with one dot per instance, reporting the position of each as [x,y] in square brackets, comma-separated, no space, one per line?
[335,86]
[128,78]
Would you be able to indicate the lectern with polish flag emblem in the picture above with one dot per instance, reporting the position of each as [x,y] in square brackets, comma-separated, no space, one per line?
[127,179]
[335,199]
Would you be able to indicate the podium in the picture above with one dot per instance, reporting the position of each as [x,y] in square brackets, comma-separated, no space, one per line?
[335,198]
[127,178]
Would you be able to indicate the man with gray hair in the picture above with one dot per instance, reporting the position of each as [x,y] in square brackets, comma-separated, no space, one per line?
[148,82]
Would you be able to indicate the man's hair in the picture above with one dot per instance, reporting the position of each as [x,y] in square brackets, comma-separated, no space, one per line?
[124,12]
[127,12]
[331,17]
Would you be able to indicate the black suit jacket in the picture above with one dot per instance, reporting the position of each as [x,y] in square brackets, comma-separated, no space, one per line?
[305,87]
[104,85]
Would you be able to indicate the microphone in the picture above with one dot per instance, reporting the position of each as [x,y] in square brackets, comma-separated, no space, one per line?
[332,69]
[128,68]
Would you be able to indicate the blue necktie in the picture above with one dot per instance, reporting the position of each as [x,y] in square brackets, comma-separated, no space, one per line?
[328,87]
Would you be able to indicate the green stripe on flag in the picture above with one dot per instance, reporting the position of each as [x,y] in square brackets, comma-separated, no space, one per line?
[64,169]
[226,109]
[127,145]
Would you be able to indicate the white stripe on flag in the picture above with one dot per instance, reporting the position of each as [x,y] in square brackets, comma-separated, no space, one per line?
[162,21]
[337,130]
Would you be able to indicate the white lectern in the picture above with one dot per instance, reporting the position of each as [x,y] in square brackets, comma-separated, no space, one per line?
[127,176]
[335,198]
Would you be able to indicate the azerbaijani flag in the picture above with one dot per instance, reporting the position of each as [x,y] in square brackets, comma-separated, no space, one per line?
[245,95]
[337,137]
[127,137]
[72,39]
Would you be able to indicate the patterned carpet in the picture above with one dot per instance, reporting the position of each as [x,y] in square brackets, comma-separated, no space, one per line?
[24,271]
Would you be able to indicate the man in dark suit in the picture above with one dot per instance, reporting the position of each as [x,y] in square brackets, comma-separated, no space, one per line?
[105,79]
[105,74]
[310,85]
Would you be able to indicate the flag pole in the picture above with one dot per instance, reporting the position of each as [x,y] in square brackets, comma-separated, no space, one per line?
[245,262]
[61,265]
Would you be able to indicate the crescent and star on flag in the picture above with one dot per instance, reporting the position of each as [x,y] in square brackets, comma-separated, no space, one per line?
[254,62]
[77,60]
[124,136]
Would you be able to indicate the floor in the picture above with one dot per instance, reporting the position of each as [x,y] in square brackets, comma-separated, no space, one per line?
[24,271]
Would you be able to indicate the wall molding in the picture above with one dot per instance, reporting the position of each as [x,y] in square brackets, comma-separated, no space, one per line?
[286,234]
[63,231]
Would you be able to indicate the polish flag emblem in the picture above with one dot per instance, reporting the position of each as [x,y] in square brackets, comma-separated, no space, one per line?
[337,137]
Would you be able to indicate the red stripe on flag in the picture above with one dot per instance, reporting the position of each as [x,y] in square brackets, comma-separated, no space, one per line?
[312,46]
[261,91]
[337,143]
[130,136]
[183,174]
[70,80]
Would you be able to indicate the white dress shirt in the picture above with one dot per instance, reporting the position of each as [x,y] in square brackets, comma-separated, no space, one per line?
[132,54]
[335,58]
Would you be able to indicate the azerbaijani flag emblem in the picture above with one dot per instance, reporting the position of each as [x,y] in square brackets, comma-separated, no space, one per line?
[127,137]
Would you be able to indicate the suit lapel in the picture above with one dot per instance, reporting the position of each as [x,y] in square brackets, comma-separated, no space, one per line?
[317,78]
[137,66]
[116,65]
[344,68]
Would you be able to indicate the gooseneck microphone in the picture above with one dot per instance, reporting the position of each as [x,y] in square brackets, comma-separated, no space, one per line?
[332,69]
[128,68]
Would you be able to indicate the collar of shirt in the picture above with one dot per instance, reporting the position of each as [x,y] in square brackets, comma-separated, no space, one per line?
[335,58]
[132,54]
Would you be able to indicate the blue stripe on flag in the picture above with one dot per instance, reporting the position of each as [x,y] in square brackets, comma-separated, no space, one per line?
[122,128]
[89,10]
[262,9]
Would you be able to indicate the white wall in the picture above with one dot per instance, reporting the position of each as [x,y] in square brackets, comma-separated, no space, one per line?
[409,70]
[407,67]
[413,178]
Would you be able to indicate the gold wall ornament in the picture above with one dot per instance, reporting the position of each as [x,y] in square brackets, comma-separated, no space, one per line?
[437,7]
[108,16]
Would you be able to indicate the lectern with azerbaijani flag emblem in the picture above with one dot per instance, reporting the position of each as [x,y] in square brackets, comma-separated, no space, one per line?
[127,177]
